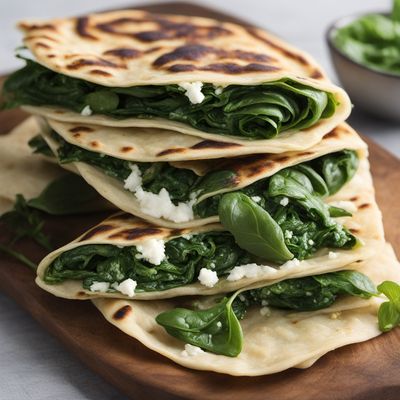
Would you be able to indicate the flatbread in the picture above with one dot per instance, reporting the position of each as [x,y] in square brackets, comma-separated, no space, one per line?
[132,47]
[20,170]
[271,344]
[146,144]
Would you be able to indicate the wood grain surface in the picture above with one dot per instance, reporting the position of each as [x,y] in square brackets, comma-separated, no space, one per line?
[369,370]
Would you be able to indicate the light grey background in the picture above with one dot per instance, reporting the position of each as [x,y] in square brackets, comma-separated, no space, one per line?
[33,365]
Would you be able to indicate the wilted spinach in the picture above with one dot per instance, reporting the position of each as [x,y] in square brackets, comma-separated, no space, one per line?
[184,259]
[254,112]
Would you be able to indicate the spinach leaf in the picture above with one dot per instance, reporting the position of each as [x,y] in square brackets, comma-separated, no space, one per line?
[252,112]
[68,195]
[216,329]
[25,222]
[293,184]
[336,169]
[40,146]
[253,228]
[389,311]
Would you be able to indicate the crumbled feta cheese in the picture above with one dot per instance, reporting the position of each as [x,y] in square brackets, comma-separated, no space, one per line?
[86,111]
[160,205]
[284,201]
[99,287]
[219,324]
[265,311]
[241,297]
[257,199]
[264,302]
[310,242]
[152,250]
[332,255]
[207,277]
[308,294]
[157,205]
[134,180]
[288,234]
[218,90]
[127,287]
[193,91]
[294,262]
[249,271]
[346,205]
[191,350]
[187,236]
[212,265]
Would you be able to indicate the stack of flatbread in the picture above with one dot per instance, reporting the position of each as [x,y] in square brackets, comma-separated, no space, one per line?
[249,240]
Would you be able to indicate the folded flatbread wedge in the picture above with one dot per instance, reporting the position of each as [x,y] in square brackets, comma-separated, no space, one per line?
[274,338]
[218,81]
[187,194]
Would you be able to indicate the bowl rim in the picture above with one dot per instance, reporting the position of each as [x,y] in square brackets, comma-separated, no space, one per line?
[335,25]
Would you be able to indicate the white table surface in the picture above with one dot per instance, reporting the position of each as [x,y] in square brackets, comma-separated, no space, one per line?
[35,366]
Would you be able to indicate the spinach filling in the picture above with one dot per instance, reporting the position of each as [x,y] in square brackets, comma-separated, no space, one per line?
[185,257]
[251,112]
[306,222]
[373,40]
[218,329]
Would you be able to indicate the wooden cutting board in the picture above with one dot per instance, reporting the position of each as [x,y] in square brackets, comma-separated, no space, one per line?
[369,370]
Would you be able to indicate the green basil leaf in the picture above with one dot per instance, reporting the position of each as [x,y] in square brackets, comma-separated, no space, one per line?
[388,316]
[216,329]
[253,228]
[68,195]
[392,291]
[336,212]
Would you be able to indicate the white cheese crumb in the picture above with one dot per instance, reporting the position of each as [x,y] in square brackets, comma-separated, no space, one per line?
[219,324]
[187,236]
[212,265]
[157,205]
[152,250]
[346,205]
[288,234]
[310,242]
[257,199]
[332,255]
[134,180]
[191,350]
[249,271]
[242,298]
[218,90]
[294,262]
[264,302]
[207,277]
[284,201]
[86,111]
[265,311]
[193,91]
[127,287]
[99,287]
